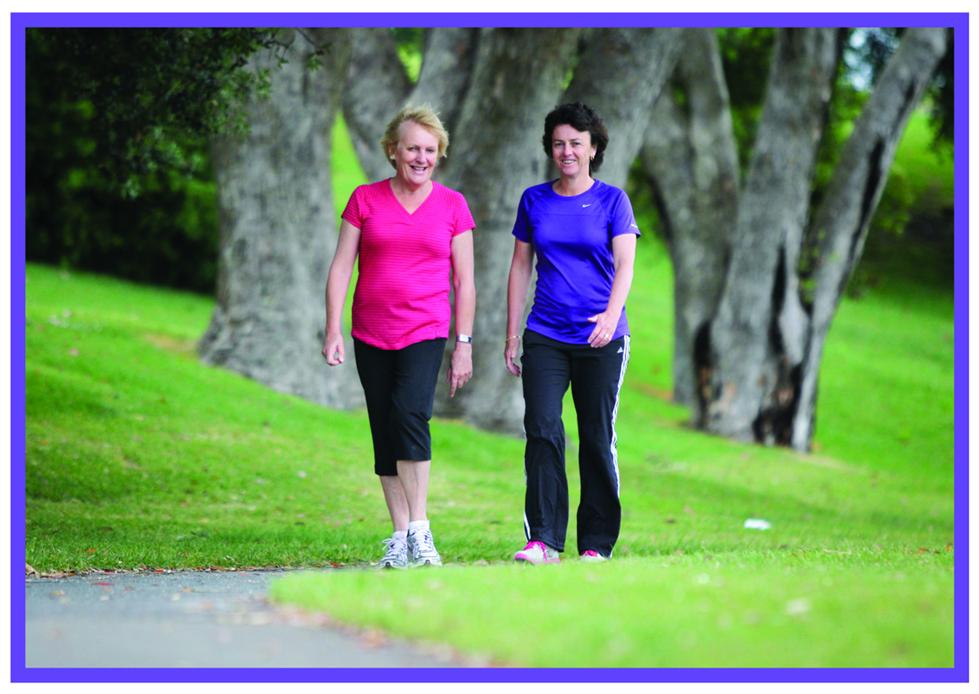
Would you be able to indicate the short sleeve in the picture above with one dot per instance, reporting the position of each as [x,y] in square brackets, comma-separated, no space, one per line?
[521,227]
[463,217]
[621,218]
[353,211]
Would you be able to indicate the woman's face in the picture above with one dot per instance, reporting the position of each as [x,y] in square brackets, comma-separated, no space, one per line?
[416,154]
[571,150]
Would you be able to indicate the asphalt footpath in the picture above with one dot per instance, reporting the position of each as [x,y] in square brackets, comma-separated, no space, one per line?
[195,619]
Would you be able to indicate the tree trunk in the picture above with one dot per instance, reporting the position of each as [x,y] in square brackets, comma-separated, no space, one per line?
[378,86]
[445,73]
[839,227]
[278,230]
[620,74]
[375,89]
[756,340]
[500,125]
[690,160]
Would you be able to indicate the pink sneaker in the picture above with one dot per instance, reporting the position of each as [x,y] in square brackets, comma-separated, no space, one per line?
[592,555]
[537,552]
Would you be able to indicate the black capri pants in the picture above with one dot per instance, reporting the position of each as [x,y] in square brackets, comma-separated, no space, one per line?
[399,386]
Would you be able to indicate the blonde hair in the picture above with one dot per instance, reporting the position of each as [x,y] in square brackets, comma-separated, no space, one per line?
[426,117]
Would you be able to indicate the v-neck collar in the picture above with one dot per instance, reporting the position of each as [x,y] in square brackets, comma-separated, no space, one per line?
[390,187]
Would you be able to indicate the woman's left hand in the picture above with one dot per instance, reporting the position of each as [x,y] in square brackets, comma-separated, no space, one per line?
[605,324]
[461,367]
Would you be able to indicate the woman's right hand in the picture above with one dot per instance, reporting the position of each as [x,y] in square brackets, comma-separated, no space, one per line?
[333,349]
[510,352]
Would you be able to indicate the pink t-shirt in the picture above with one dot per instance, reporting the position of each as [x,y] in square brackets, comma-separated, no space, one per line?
[402,294]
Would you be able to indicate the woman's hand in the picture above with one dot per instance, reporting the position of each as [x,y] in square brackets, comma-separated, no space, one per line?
[333,349]
[461,367]
[510,352]
[605,324]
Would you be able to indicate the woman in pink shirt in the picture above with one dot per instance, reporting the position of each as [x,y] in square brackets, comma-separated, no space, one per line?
[411,235]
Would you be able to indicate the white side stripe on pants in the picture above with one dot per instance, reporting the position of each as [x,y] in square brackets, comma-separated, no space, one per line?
[615,410]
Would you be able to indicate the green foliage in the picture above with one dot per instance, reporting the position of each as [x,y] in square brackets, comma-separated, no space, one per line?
[746,56]
[118,171]
[149,89]
[119,178]
[411,46]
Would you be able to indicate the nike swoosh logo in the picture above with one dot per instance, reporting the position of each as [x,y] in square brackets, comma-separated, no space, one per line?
[584,205]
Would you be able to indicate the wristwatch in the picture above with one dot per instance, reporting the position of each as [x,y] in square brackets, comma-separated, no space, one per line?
[468,339]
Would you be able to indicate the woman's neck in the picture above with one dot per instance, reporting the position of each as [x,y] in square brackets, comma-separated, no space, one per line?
[407,189]
[573,186]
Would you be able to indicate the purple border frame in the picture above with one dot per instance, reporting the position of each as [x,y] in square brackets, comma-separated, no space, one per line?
[959,22]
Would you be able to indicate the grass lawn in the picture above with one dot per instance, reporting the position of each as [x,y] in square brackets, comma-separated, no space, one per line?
[139,456]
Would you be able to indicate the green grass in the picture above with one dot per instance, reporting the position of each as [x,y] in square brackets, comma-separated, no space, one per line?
[140,456]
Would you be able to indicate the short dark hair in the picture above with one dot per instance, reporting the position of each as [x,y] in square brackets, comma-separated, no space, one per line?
[581,118]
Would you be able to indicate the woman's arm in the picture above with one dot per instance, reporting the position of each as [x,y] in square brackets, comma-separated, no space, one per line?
[521,269]
[624,256]
[464,288]
[337,283]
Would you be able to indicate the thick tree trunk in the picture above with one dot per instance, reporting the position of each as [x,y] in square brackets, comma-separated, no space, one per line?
[278,230]
[690,160]
[839,227]
[378,86]
[756,340]
[500,125]
[375,89]
[620,74]
[445,74]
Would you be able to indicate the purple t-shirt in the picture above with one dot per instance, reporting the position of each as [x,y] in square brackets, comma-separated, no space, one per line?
[572,238]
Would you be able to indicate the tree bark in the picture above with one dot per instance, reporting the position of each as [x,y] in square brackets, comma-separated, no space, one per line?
[445,74]
[690,161]
[839,227]
[375,89]
[278,230]
[757,338]
[620,74]
[378,86]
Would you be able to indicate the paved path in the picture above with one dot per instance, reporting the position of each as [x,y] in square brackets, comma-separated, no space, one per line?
[192,619]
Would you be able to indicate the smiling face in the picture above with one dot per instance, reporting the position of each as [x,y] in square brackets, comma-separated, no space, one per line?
[571,150]
[416,154]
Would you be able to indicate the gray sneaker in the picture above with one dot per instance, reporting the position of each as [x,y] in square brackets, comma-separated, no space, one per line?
[421,549]
[396,556]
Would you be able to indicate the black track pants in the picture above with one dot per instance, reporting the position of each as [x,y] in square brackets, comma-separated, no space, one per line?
[595,376]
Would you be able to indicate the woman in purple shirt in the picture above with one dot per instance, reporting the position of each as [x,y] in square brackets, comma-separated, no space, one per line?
[583,233]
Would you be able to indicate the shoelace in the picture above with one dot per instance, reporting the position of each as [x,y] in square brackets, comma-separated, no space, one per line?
[425,546]
[394,549]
